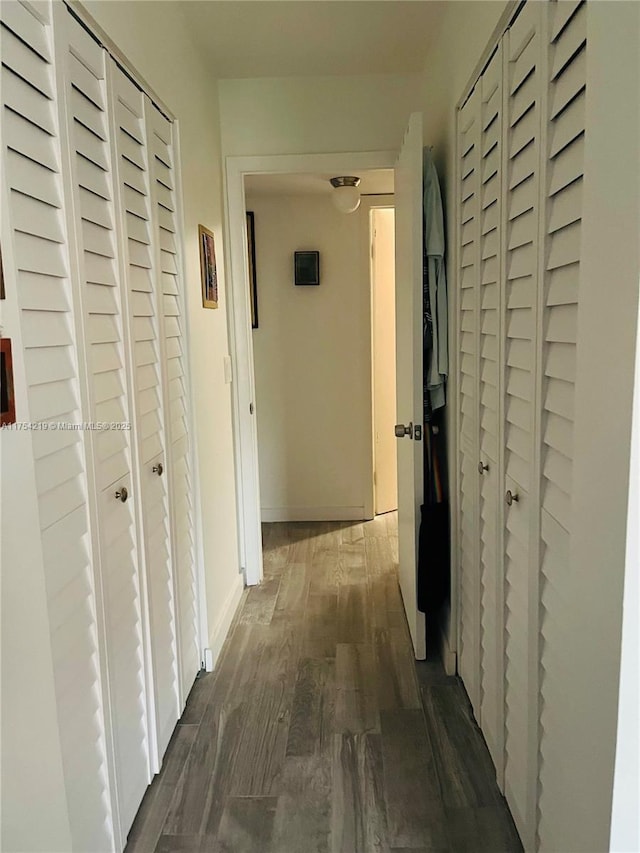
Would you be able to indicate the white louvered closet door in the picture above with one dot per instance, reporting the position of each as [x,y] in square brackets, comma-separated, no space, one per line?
[522,210]
[490,350]
[565,121]
[469,167]
[83,68]
[31,167]
[140,277]
[162,159]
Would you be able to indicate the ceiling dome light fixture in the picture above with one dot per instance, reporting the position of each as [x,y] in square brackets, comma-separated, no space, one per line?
[346,196]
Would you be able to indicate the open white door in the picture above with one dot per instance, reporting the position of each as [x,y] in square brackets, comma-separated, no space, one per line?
[408,202]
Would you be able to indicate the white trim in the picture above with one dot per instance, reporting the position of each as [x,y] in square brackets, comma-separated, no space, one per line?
[221,629]
[314,513]
[449,656]
[383,201]
[240,341]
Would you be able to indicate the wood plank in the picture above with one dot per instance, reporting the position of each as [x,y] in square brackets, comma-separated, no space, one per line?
[312,714]
[246,826]
[151,816]
[353,623]
[260,602]
[187,811]
[219,782]
[198,699]
[395,675]
[262,747]
[321,625]
[353,533]
[483,830]
[178,844]
[379,555]
[409,768]
[359,823]
[292,595]
[303,815]
[356,694]
[462,760]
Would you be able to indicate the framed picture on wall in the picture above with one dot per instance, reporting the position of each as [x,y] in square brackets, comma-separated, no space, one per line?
[208,271]
[251,252]
[7,401]
[306,267]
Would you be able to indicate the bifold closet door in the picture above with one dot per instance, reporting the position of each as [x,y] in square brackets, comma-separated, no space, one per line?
[469,170]
[163,170]
[523,81]
[36,255]
[491,601]
[83,69]
[140,277]
[559,808]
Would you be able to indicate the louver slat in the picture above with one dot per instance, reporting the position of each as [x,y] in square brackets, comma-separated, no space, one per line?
[566,124]
[164,203]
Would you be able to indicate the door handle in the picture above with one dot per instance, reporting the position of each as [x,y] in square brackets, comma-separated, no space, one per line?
[482,468]
[402,430]
[158,469]
[122,494]
[510,498]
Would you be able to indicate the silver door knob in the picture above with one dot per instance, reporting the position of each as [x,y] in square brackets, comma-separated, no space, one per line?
[158,469]
[402,430]
[482,468]
[510,498]
[122,494]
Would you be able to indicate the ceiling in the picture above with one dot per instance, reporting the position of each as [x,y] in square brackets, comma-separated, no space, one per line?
[373,182]
[285,38]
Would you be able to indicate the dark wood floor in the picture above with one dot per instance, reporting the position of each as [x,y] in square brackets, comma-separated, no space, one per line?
[318,732]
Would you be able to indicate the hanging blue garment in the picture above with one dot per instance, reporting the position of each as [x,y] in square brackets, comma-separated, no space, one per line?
[436,311]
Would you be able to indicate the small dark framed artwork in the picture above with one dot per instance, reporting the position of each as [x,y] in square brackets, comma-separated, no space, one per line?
[306,268]
[208,271]
[251,252]
[7,402]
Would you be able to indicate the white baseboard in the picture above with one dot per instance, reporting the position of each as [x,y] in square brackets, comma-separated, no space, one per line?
[221,629]
[449,657]
[313,513]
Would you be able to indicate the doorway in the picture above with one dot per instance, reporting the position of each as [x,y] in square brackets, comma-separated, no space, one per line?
[313,347]
[383,301]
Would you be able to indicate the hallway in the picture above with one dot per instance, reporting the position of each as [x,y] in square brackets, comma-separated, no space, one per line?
[318,732]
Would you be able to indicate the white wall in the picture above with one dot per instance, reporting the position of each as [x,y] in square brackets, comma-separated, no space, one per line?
[383,285]
[608,321]
[312,362]
[316,114]
[155,39]
[625,819]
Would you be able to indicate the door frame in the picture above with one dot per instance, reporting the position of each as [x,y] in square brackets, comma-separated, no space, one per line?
[238,320]
[370,204]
